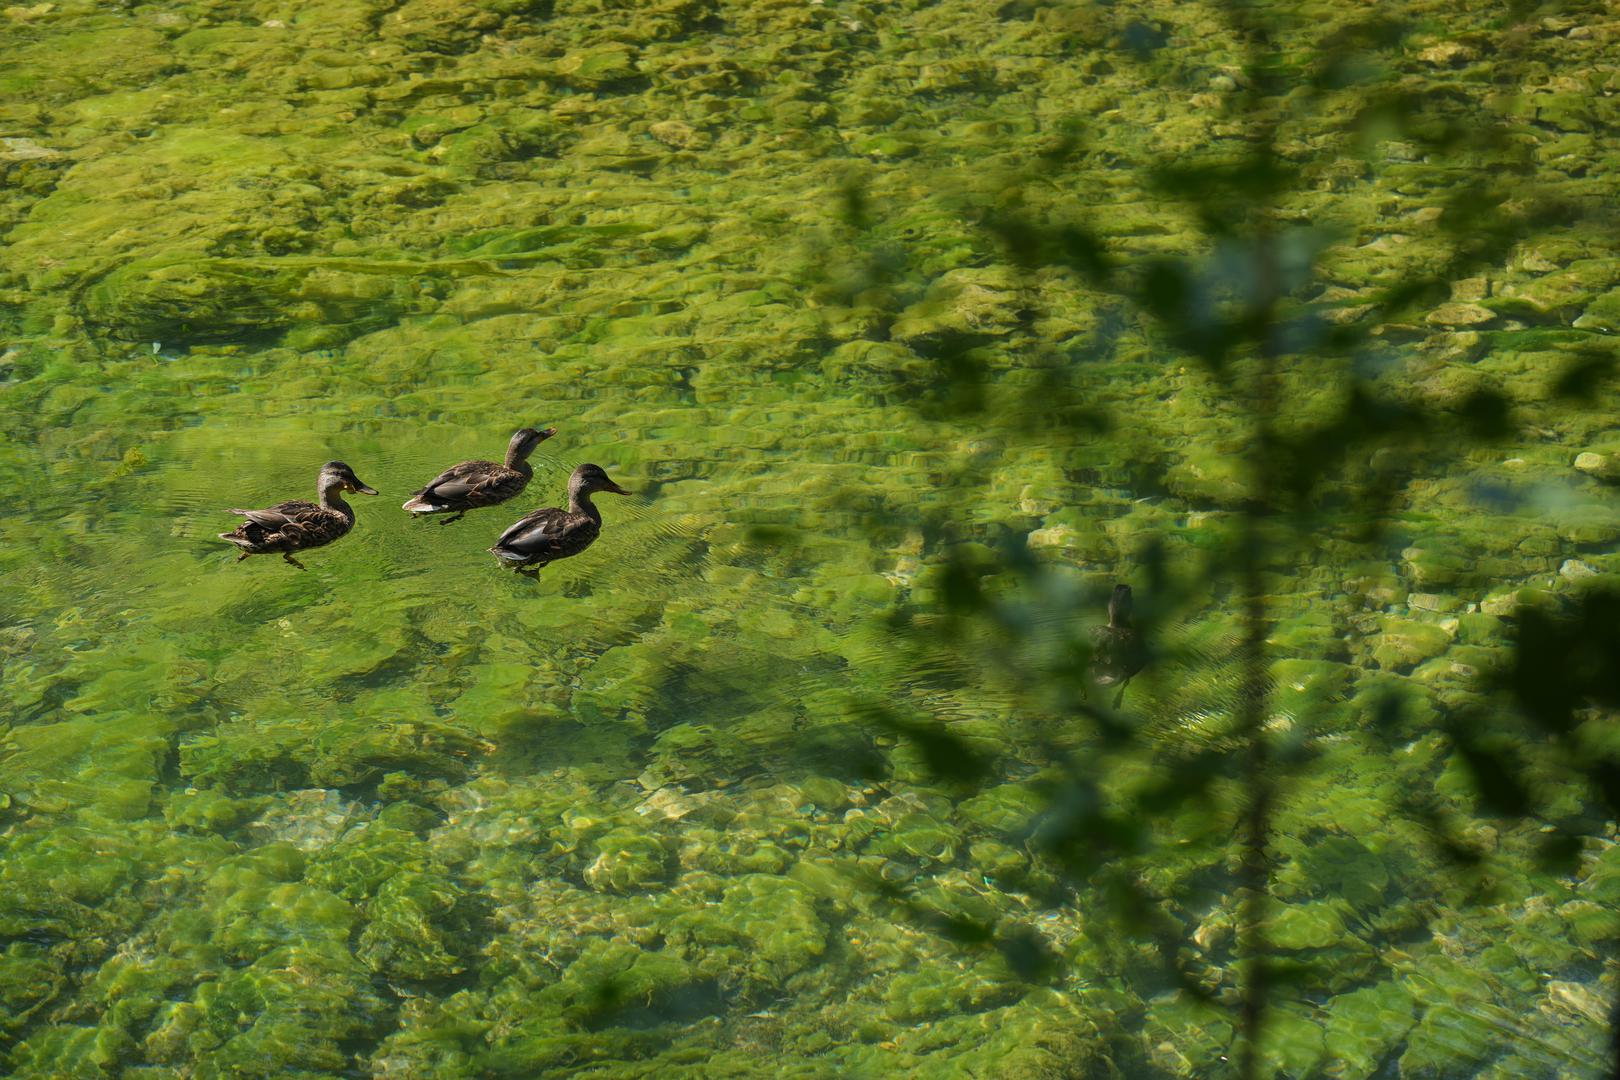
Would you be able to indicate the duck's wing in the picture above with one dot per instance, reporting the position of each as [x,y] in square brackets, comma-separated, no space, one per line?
[471,482]
[295,522]
[539,533]
[455,481]
[280,515]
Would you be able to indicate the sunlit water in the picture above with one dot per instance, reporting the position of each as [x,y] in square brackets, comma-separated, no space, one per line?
[658,813]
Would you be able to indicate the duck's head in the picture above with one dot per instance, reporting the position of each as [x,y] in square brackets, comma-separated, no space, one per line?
[592,478]
[335,475]
[524,440]
[1119,606]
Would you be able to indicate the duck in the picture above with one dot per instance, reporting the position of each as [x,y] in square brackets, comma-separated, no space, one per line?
[1117,651]
[297,525]
[550,533]
[472,484]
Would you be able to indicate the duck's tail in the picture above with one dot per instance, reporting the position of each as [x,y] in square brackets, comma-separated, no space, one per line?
[416,505]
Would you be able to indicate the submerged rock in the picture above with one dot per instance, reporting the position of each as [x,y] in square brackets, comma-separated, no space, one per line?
[1460,314]
[19,149]
[1405,643]
[1603,466]
[627,861]
[964,302]
[195,301]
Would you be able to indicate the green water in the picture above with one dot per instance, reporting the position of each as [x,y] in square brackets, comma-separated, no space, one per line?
[408,815]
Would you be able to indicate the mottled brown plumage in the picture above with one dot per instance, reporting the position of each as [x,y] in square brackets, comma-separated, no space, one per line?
[297,525]
[550,533]
[472,484]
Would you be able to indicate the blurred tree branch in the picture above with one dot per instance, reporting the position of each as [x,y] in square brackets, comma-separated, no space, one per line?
[1251,310]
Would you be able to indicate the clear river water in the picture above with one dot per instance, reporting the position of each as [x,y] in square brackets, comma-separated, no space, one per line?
[778,777]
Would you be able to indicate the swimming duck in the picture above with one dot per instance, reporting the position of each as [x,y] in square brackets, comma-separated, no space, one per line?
[1117,652]
[296,525]
[479,483]
[549,534]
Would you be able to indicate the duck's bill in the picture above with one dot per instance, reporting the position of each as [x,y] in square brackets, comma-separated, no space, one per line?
[546,433]
[362,489]
[616,489]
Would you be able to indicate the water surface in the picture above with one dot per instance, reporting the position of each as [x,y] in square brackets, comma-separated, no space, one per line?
[657,813]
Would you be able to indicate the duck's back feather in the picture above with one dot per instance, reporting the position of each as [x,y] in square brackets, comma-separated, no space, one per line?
[288,526]
[466,486]
[548,533]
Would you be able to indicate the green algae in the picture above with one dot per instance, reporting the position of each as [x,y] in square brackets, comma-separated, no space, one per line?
[400,815]
[251,758]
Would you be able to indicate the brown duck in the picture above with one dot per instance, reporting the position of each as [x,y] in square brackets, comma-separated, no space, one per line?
[479,483]
[1117,650]
[549,534]
[297,525]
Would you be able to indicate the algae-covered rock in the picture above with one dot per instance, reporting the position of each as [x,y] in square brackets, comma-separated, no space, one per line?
[258,917]
[1541,937]
[1602,313]
[679,135]
[612,983]
[1601,880]
[248,757]
[1460,314]
[1309,688]
[1207,476]
[1603,466]
[1446,1041]
[763,930]
[70,1050]
[409,932]
[1405,643]
[362,752]
[197,301]
[1588,525]
[627,861]
[1590,923]
[734,852]
[1338,866]
[305,820]
[1006,808]
[1187,1036]
[30,978]
[918,836]
[1434,563]
[1364,1025]
[947,988]
[1508,604]
[1293,1043]
[1458,1008]
[73,886]
[293,1010]
[357,863]
[960,302]
[210,810]
[998,863]
[596,67]
[825,792]
[1307,926]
